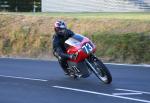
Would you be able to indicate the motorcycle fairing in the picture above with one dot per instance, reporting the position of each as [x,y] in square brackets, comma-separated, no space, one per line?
[75,45]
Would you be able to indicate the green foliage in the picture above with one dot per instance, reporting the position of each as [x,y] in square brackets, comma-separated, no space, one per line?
[131,47]
[7,47]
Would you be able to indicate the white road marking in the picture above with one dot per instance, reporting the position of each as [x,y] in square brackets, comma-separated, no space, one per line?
[98,93]
[23,78]
[137,65]
[37,59]
[126,93]
[133,91]
[25,58]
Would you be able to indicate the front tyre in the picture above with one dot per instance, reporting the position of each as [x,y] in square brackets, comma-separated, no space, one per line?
[101,71]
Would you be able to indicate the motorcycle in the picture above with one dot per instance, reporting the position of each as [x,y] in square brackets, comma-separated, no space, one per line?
[86,61]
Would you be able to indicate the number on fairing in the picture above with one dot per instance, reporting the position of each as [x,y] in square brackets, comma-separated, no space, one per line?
[88,48]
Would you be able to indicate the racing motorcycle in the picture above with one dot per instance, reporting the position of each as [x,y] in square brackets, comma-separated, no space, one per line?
[86,61]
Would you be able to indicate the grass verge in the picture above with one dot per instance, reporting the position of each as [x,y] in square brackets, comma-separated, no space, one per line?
[120,37]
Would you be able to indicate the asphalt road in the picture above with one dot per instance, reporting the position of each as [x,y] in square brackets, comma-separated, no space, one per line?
[35,81]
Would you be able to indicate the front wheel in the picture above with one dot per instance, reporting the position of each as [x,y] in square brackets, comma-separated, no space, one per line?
[103,72]
[100,70]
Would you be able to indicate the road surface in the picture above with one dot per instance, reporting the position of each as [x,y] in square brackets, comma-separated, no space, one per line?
[36,81]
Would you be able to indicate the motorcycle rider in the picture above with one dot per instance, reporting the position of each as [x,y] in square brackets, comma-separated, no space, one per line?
[62,33]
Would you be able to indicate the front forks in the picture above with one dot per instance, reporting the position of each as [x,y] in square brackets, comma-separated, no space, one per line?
[91,66]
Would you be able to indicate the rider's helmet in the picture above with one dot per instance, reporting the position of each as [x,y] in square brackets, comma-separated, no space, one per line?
[60,27]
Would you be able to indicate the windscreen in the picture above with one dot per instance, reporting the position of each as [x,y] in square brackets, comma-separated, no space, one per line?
[74,40]
[78,37]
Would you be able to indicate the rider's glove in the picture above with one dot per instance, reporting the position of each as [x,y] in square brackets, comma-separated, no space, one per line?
[73,56]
